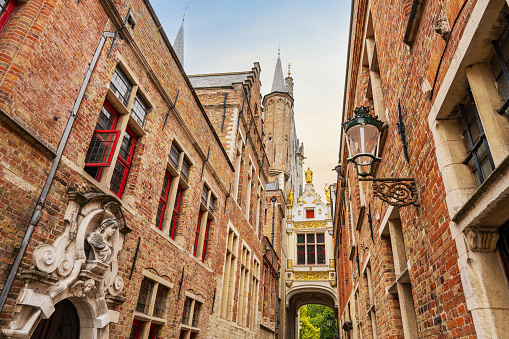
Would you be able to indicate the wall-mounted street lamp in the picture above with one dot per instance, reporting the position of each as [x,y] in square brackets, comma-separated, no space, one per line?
[362,133]
[329,321]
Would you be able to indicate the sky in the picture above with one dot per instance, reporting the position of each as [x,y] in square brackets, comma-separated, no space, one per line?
[229,36]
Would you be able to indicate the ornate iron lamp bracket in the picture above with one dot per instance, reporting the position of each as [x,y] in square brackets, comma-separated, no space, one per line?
[397,192]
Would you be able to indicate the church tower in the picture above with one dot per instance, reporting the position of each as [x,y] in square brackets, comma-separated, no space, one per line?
[278,120]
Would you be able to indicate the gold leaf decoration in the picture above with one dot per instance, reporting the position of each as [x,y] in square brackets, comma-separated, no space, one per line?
[311,276]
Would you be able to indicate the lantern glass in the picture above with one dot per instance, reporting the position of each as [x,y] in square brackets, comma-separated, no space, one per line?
[329,321]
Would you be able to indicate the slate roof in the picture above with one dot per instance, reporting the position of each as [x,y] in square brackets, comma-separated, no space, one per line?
[278,84]
[218,80]
[178,45]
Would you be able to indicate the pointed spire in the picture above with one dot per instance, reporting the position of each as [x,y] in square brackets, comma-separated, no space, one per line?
[178,45]
[278,84]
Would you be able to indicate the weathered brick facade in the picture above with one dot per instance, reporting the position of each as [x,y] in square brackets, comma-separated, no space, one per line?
[421,271]
[218,132]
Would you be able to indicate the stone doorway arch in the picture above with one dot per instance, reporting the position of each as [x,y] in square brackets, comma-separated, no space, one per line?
[63,323]
[299,297]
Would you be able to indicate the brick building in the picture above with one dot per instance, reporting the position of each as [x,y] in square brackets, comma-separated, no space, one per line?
[435,74]
[152,221]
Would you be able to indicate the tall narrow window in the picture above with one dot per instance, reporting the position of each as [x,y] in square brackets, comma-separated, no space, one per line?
[238,162]
[498,65]
[479,156]
[229,275]
[103,143]
[124,160]
[245,260]
[139,110]
[121,86]
[204,219]
[255,293]
[250,174]
[174,185]
[258,206]
[163,199]
[190,322]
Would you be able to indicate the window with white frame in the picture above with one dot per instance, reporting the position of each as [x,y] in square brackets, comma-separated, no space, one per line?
[227,295]
[255,293]
[245,267]
[311,249]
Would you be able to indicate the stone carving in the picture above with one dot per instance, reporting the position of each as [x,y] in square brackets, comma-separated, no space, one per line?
[327,193]
[442,28]
[289,264]
[82,289]
[332,263]
[99,240]
[311,276]
[481,239]
[289,284]
[333,283]
[80,263]
[290,198]
[309,176]
[315,224]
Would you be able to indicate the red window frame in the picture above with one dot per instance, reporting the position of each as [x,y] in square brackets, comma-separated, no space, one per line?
[197,235]
[126,163]
[206,240]
[320,250]
[163,200]
[115,114]
[107,156]
[301,250]
[4,17]
[138,325]
[311,254]
[175,213]
[310,214]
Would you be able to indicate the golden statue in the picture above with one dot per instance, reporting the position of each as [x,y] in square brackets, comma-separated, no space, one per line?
[309,176]
[290,198]
[327,193]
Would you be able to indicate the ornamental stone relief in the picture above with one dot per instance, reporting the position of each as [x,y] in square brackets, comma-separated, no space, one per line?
[311,276]
[481,239]
[311,224]
[80,263]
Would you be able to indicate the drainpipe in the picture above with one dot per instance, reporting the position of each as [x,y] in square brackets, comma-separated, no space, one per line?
[276,332]
[273,200]
[36,216]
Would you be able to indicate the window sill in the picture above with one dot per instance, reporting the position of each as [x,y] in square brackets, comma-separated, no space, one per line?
[484,207]
[404,278]
[136,127]
[189,328]
[116,103]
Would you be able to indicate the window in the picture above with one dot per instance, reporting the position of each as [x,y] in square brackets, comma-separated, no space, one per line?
[371,302]
[258,206]
[139,110]
[7,7]
[498,64]
[173,187]
[401,287]
[121,86]
[190,322]
[479,156]
[249,185]
[229,275]
[204,219]
[103,143]
[310,214]
[503,247]
[245,263]
[311,249]
[254,288]
[238,162]
[150,307]
[110,153]
[124,160]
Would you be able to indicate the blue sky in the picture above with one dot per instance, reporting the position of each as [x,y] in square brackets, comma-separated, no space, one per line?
[228,36]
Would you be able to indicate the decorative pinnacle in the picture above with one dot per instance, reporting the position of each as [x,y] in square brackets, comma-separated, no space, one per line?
[184,16]
[289,65]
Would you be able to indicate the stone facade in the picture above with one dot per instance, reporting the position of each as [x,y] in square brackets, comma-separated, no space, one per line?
[104,245]
[438,269]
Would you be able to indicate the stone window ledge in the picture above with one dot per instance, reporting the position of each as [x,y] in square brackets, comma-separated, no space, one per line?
[486,206]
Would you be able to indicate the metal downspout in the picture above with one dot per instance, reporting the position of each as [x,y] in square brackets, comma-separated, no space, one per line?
[273,200]
[276,331]
[36,216]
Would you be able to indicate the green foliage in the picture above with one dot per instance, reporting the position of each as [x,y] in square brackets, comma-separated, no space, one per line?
[316,316]
[308,331]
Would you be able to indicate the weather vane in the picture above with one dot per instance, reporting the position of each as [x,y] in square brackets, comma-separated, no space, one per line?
[184,16]
[289,65]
